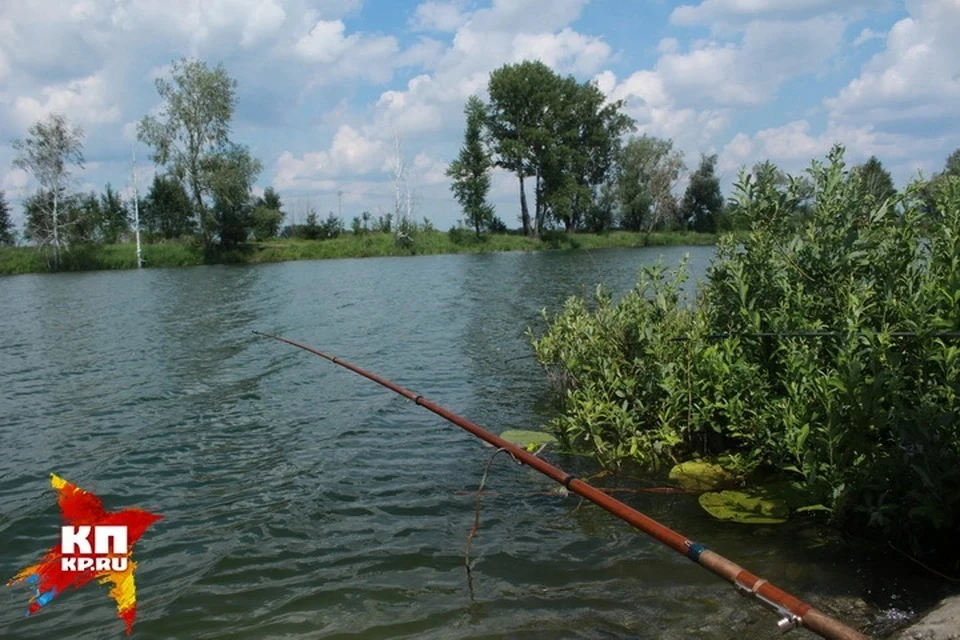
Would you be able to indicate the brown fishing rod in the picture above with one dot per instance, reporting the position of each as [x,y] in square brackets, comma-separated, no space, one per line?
[793,612]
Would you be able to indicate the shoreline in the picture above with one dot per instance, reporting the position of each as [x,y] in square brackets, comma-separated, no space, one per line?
[26,260]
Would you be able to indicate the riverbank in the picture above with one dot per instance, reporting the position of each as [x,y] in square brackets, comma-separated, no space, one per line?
[19,260]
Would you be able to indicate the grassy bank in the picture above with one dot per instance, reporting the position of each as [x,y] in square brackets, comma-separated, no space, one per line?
[17,260]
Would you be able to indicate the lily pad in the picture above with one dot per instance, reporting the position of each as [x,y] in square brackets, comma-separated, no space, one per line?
[528,439]
[696,475]
[747,507]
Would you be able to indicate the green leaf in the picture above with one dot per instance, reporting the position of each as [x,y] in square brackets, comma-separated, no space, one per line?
[744,507]
[523,438]
[696,475]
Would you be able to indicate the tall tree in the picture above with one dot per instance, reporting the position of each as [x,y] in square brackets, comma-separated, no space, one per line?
[7,236]
[470,172]
[703,201]
[520,97]
[167,210]
[647,170]
[875,180]
[193,130]
[585,130]
[47,152]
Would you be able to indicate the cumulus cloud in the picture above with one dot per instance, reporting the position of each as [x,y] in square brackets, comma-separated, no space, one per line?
[917,75]
[437,16]
[85,100]
[315,70]
[749,72]
[793,145]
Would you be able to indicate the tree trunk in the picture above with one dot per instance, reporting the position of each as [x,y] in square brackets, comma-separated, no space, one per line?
[539,206]
[56,227]
[524,211]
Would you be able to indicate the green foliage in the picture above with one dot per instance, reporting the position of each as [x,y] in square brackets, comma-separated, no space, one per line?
[866,420]
[168,211]
[190,134]
[564,133]
[470,172]
[332,227]
[745,507]
[7,232]
[47,152]
[270,200]
[186,252]
[114,219]
[230,175]
[647,170]
[703,201]
[266,222]
[384,224]
[875,181]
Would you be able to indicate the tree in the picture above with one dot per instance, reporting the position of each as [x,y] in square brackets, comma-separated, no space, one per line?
[270,200]
[647,170]
[231,175]
[585,132]
[167,210]
[952,165]
[875,180]
[47,152]
[520,96]
[470,172]
[193,131]
[114,218]
[7,236]
[267,215]
[703,201]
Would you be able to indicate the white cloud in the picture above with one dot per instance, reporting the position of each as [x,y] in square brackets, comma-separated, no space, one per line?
[567,50]
[917,75]
[350,153]
[866,36]
[733,11]
[438,16]
[749,73]
[84,101]
[792,146]
[15,183]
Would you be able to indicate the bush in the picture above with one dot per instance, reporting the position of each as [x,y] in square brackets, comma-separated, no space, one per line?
[266,223]
[865,418]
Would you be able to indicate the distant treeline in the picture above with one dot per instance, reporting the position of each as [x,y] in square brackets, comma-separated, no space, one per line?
[557,135]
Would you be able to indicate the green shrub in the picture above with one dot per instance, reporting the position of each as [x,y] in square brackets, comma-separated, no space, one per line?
[866,418]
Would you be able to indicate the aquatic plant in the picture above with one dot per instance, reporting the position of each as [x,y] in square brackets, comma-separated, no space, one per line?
[819,347]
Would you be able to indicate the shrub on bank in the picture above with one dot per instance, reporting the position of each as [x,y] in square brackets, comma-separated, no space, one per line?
[867,419]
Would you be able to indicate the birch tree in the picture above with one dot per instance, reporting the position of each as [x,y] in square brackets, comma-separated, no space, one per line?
[192,131]
[47,153]
[403,194]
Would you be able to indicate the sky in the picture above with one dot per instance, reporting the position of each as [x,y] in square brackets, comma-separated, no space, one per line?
[323,85]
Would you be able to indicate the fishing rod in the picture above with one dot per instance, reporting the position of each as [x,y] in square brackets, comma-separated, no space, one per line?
[793,612]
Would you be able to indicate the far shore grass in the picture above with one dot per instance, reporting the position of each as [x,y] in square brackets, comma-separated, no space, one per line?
[19,260]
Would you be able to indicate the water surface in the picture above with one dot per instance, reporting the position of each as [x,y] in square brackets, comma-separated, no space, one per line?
[302,501]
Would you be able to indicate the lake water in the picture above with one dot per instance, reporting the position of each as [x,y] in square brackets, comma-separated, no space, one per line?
[302,501]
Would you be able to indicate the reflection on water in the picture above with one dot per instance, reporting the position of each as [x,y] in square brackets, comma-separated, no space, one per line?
[303,501]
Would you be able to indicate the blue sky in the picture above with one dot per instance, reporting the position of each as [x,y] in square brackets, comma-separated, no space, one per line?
[325,84]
